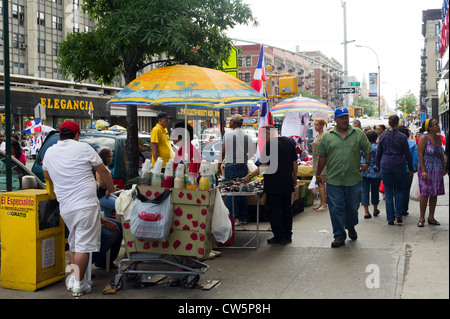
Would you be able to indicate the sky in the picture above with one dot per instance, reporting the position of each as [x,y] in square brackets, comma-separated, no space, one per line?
[391,28]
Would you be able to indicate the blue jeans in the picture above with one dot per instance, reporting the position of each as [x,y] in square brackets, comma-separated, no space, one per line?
[107,205]
[343,204]
[394,178]
[109,239]
[370,187]
[240,202]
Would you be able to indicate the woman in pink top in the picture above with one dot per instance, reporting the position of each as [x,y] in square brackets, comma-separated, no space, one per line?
[194,157]
[16,151]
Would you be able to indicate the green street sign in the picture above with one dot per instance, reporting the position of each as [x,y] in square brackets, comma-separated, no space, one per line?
[354,83]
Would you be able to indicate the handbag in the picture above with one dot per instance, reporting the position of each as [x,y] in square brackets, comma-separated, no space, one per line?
[151,219]
[415,189]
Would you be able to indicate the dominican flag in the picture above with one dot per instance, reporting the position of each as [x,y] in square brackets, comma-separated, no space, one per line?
[33,126]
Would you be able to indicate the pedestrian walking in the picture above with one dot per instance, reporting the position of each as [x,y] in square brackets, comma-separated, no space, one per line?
[340,152]
[371,179]
[68,165]
[161,146]
[431,170]
[380,129]
[280,184]
[318,126]
[392,155]
[237,148]
[415,159]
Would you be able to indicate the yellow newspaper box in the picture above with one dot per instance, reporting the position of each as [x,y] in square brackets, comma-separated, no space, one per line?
[32,240]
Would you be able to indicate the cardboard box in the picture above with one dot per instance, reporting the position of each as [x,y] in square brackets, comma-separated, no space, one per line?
[190,234]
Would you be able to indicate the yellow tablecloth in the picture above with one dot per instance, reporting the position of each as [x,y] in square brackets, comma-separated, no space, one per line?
[304,171]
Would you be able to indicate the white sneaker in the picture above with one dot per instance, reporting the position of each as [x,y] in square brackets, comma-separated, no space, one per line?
[81,289]
[69,282]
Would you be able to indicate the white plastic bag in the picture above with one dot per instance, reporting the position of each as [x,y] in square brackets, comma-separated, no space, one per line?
[313,183]
[152,219]
[221,226]
[123,202]
[415,189]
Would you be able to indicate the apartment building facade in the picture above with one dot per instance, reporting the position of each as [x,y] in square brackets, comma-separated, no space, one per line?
[36,28]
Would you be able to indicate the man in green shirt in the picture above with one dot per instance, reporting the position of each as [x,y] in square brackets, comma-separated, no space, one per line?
[340,152]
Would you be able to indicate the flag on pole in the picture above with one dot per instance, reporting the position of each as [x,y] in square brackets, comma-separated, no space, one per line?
[265,117]
[33,126]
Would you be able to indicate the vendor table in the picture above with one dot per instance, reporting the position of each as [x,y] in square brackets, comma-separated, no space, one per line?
[258,194]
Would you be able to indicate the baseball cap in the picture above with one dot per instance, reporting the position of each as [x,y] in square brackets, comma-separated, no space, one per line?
[162,115]
[340,111]
[71,126]
[237,118]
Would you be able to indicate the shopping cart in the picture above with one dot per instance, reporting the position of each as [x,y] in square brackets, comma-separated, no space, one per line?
[190,239]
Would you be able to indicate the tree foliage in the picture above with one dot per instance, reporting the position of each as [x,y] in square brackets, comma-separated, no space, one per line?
[129,34]
[408,99]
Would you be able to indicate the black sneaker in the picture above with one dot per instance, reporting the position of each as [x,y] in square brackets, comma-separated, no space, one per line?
[352,234]
[338,241]
[276,241]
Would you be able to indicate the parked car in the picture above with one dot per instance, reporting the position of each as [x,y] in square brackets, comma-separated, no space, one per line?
[114,140]
[18,171]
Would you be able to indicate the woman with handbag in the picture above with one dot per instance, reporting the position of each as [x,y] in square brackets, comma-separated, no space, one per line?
[431,170]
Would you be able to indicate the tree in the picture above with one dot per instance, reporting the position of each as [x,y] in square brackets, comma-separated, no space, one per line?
[410,100]
[129,34]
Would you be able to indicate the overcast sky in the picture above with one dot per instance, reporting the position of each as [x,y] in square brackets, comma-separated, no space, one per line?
[392,28]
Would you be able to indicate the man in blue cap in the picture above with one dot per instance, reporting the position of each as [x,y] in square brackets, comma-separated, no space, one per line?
[340,152]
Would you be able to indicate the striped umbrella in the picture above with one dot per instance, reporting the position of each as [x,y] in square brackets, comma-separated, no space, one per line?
[300,105]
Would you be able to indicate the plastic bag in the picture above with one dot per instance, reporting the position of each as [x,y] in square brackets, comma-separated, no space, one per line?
[221,226]
[381,189]
[152,219]
[123,202]
[313,184]
[415,189]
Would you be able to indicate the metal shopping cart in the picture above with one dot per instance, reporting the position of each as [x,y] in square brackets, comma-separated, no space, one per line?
[190,239]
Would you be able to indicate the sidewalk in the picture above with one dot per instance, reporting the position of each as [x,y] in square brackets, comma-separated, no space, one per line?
[386,262]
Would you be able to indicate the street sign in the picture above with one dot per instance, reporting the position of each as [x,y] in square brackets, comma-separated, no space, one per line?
[354,83]
[346,90]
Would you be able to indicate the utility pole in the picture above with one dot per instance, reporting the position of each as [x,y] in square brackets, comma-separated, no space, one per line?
[7,86]
[344,6]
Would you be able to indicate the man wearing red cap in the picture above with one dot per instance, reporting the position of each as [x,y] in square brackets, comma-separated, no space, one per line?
[68,164]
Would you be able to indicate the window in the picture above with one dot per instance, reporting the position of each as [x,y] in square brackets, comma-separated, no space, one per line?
[17,173]
[57,23]
[55,48]
[41,18]
[41,46]
[15,41]
[15,11]
[240,62]
[248,61]
[247,77]
[312,82]
[76,27]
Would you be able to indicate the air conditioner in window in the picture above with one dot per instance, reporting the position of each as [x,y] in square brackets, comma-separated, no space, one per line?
[23,46]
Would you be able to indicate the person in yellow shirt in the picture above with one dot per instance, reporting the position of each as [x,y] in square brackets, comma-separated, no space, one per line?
[160,139]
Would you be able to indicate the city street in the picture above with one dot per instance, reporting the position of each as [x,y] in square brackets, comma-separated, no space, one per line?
[386,262]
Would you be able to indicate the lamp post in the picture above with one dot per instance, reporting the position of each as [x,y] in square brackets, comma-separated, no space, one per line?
[379,77]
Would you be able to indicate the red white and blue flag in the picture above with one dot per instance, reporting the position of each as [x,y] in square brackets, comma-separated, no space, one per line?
[265,117]
[33,126]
